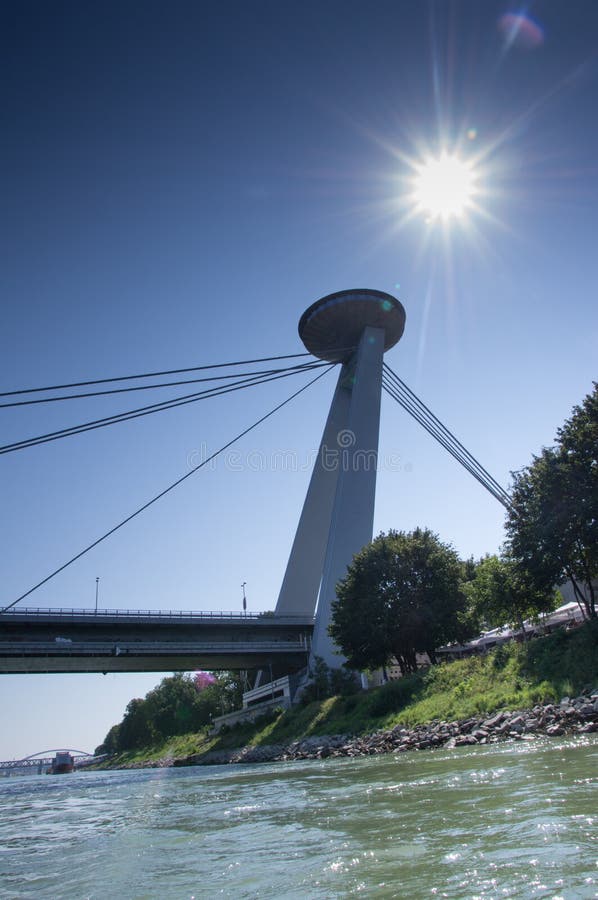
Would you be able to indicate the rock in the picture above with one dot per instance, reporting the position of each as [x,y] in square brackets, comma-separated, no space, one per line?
[554,730]
[493,721]
[468,725]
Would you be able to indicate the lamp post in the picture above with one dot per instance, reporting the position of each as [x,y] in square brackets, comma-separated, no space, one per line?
[244,597]
[97,587]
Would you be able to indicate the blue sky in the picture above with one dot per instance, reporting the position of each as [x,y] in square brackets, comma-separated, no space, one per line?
[180,181]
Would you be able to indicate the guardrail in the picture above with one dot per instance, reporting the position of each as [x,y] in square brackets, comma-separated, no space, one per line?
[68,612]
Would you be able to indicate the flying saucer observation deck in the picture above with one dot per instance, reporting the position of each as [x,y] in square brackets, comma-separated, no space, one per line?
[331,328]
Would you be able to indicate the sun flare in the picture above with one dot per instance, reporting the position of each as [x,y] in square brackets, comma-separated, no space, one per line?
[444,187]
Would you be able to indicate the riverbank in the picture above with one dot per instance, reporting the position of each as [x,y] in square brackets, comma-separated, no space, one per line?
[515,693]
[569,717]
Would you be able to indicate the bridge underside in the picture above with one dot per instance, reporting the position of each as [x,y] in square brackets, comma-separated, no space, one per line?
[38,660]
[44,641]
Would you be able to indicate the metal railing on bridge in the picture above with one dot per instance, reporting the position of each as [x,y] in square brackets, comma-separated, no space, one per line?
[70,612]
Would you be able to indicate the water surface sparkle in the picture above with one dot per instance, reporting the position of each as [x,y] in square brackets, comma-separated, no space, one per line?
[501,821]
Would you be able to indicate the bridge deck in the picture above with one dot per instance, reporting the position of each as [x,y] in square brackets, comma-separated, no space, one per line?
[76,640]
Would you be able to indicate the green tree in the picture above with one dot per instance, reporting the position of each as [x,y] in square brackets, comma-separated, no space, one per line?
[227,692]
[401,596]
[500,593]
[110,743]
[469,618]
[175,706]
[136,729]
[552,526]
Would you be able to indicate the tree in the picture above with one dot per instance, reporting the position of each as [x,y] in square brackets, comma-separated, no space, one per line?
[499,593]
[173,707]
[401,596]
[110,743]
[227,692]
[552,526]
[469,617]
[136,729]
[178,705]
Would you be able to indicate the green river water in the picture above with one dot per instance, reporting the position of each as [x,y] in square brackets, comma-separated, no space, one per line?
[510,820]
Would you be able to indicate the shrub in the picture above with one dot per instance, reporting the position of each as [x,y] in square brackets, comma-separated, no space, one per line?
[395,695]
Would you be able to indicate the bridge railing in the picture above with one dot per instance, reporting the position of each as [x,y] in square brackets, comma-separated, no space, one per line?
[70,612]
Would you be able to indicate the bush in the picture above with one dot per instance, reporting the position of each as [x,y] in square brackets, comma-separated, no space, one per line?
[565,658]
[326,682]
[500,657]
[395,695]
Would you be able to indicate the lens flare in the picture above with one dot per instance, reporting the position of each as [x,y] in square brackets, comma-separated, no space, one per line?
[520,30]
[444,187]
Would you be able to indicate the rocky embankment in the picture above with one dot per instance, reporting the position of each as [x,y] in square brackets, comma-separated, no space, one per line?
[577,716]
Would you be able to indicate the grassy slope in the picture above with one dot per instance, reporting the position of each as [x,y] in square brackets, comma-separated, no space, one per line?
[512,677]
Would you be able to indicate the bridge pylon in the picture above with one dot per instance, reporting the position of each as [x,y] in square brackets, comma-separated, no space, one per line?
[355,328]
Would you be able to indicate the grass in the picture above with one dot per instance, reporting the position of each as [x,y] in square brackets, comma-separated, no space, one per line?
[174,747]
[513,676]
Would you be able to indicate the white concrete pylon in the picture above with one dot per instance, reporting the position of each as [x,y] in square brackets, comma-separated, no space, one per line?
[352,520]
[355,328]
[301,582]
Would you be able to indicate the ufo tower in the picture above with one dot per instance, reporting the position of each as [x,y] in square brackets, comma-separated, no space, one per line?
[354,328]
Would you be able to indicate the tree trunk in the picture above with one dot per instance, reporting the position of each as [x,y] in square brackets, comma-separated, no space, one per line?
[583,604]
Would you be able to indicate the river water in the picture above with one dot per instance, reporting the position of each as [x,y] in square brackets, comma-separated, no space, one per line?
[509,820]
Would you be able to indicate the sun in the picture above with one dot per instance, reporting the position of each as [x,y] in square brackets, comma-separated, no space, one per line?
[444,187]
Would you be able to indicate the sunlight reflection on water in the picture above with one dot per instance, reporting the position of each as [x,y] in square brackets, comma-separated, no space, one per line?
[508,821]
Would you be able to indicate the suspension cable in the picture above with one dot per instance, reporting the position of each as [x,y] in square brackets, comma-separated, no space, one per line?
[425,410]
[397,389]
[240,362]
[166,490]
[147,387]
[414,400]
[446,444]
[218,391]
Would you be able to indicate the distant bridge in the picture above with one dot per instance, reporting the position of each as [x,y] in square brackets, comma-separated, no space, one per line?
[39,763]
[83,640]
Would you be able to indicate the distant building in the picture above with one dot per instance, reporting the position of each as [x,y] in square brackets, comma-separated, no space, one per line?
[568,615]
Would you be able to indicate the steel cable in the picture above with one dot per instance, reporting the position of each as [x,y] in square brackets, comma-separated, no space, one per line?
[241,362]
[166,490]
[399,391]
[249,381]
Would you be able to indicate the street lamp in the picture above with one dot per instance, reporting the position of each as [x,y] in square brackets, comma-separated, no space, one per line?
[97,587]
[244,597]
